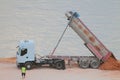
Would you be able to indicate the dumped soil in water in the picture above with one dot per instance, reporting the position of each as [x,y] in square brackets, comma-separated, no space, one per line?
[110,64]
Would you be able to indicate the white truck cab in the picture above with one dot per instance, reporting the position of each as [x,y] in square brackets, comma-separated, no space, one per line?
[26,51]
[26,57]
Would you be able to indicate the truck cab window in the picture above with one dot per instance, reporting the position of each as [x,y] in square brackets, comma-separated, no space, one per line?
[23,52]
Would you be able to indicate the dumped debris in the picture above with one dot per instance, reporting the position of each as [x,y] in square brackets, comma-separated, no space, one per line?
[110,64]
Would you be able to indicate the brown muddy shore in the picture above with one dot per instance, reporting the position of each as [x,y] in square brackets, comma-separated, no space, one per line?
[110,64]
[8,70]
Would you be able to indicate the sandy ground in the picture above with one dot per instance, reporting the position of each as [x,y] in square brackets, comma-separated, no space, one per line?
[9,71]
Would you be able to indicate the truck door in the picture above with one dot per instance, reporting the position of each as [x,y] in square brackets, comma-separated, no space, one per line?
[26,52]
[22,55]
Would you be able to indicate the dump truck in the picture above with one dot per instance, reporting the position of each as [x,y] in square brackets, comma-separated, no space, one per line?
[26,49]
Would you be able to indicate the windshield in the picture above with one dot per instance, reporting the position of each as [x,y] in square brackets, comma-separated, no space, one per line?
[22,52]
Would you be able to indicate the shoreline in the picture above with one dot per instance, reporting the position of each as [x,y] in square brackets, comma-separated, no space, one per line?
[8,67]
[8,60]
[111,64]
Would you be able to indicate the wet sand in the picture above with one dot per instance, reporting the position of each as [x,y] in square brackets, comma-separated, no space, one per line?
[8,70]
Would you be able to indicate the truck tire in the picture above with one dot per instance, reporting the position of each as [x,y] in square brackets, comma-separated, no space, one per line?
[28,65]
[60,65]
[84,63]
[94,63]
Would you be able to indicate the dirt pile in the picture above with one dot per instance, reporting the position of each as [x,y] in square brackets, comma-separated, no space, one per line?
[110,64]
[8,60]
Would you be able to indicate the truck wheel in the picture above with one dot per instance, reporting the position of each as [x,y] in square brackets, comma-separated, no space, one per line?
[59,65]
[84,63]
[94,63]
[28,65]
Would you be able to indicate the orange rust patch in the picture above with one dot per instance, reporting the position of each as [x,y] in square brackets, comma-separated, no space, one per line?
[77,24]
[86,32]
[92,39]
[97,48]
[80,26]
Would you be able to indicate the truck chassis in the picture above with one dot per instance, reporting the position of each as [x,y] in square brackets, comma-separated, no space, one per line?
[59,62]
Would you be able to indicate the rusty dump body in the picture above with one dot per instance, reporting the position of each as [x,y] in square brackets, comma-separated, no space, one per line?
[91,41]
